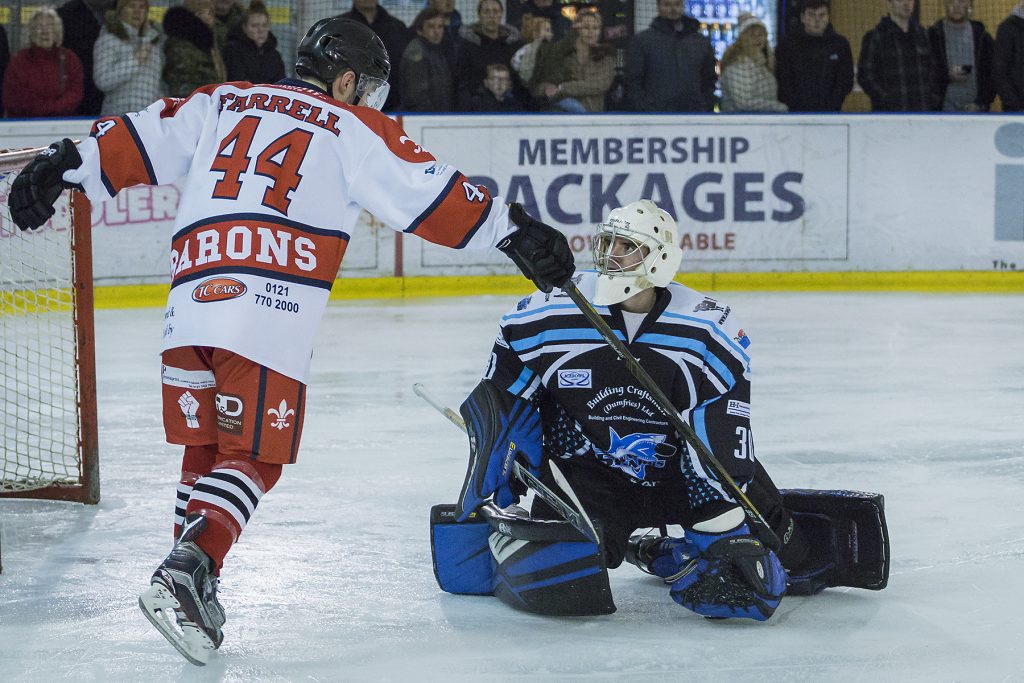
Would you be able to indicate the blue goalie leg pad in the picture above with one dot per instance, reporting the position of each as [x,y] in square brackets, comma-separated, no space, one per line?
[546,566]
[462,559]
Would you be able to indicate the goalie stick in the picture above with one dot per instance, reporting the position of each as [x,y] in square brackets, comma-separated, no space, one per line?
[579,519]
[665,406]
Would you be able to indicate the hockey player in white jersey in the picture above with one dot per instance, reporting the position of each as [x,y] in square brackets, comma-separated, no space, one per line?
[273,179]
[624,460]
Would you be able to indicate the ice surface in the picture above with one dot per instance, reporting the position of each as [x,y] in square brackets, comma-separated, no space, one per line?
[915,396]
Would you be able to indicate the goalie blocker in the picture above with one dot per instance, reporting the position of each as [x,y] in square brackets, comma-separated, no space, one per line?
[540,566]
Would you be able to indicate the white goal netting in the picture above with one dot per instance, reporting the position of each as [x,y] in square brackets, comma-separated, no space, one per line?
[42,439]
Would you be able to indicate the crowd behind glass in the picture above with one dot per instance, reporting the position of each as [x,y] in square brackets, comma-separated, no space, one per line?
[117,59]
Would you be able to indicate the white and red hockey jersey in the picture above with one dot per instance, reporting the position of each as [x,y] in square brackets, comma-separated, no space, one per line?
[274,177]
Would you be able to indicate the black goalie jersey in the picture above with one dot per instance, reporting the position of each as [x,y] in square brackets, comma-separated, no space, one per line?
[591,406]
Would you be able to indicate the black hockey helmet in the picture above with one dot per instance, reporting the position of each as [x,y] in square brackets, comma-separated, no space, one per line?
[332,46]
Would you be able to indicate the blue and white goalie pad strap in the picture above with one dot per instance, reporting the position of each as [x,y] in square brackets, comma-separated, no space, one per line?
[501,428]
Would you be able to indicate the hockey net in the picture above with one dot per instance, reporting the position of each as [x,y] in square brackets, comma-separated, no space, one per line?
[47,360]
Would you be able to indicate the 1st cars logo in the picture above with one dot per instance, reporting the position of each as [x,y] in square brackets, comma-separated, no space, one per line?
[218,289]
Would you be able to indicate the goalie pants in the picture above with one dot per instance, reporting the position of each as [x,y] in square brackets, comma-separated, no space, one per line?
[239,422]
[620,507]
[617,506]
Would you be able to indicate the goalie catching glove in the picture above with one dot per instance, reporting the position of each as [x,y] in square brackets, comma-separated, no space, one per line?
[540,251]
[501,427]
[37,187]
[728,573]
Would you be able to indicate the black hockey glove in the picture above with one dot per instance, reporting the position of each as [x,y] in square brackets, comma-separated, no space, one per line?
[540,251]
[37,187]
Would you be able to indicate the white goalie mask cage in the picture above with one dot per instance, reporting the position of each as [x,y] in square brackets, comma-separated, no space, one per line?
[651,256]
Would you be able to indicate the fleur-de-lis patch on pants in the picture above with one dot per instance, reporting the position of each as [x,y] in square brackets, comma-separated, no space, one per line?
[281,415]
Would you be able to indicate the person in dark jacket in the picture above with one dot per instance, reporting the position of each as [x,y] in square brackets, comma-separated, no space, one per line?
[896,68]
[963,49]
[193,57]
[393,33]
[5,59]
[452,25]
[253,56]
[83,19]
[671,65]
[1008,60]
[813,63]
[427,83]
[496,93]
[488,41]
[227,20]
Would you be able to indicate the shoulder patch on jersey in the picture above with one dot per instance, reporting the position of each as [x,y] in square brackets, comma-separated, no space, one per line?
[742,339]
[523,303]
[708,304]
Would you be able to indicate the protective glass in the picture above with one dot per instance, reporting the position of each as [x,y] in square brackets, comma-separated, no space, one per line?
[372,92]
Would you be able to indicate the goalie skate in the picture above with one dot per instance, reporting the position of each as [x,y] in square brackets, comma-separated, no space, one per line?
[181,602]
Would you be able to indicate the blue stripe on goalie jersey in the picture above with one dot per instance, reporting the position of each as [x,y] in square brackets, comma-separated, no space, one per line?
[717,331]
[521,382]
[571,334]
[691,345]
[544,309]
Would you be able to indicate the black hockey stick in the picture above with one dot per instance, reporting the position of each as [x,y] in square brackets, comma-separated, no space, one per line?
[578,519]
[665,406]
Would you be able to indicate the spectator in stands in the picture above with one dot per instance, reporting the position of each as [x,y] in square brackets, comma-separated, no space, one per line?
[748,81]
[129,59]
[488,41]
[963,50]
[84,18]
[252,56]
[5,58]
[536,32]
[44,79]
[896,68]
[1008,60]
[574,74]
[452,26]
[193,58]
[427,83]
[393,33]
[227,20]
[813,63]
[496,94]
[518,10]
[671,65]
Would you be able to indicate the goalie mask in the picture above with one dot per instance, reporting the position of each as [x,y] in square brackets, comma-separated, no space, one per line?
[635,249]
[333,46]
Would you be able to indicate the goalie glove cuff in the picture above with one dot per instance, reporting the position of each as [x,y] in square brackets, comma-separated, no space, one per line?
[541,252]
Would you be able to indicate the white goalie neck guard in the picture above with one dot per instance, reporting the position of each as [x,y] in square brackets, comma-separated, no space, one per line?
[652,256]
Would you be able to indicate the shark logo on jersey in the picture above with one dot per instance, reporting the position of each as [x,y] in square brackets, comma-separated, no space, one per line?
[633,453]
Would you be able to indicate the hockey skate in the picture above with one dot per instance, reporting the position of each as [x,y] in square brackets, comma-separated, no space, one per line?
[653,554]
[181,602]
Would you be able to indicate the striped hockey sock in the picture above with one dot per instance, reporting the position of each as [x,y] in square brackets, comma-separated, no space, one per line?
[227,497]
[197,461]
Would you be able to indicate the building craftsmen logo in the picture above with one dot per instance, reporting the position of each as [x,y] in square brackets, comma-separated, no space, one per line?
[230,411]
[218,289]
[281,415]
